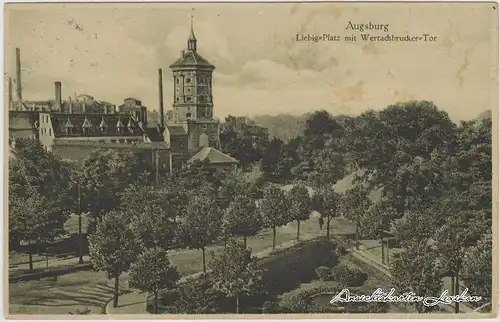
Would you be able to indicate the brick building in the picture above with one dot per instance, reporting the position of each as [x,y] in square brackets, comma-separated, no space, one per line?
[73,128]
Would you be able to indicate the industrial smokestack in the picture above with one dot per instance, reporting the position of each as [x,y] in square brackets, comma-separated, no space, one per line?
[70,105]
[18,75]
[58,103]
[160,88]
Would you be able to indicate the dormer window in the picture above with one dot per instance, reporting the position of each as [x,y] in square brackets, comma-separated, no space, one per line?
[103,126]
[119,126]
[68,126]
[86,126]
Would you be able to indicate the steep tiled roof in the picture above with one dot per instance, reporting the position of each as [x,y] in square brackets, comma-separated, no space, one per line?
[212,156]
[93,121]
[176,129]
[154,135]
[192,58]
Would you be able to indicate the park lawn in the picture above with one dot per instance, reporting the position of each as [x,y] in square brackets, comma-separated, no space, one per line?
[17,259]
[189,261]
[67,293]
[71,225]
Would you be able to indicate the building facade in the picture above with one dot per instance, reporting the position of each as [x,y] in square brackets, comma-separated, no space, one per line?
[73,128]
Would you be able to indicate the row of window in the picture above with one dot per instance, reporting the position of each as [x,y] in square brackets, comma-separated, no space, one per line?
[102,130]
[201,99]
[188,80]
[44,131]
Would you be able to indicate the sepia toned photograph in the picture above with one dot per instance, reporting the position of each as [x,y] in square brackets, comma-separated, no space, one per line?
[265,160]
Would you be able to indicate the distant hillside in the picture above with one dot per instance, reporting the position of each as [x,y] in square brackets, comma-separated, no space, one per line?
[283,126]
[286,126]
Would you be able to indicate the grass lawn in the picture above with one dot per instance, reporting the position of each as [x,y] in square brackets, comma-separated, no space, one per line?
[190,261]
[71,225]
[67,293]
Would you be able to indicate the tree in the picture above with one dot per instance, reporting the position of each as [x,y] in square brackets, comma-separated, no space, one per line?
[235,273]
[271,159]
[451,240]
[33,219]
[241,218]
[243,139]
[201,223]
[152,272]
[274,209]
[477,268]
[198,296]
[153,224]
[353,204]
[327,167]
[386,144]
[326,202]
[235,183]
[300,204]
[416,270]
[107,173]
[34,168]
[113,247]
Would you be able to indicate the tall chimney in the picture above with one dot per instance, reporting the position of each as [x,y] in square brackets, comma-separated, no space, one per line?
[58,102]
[18,75]
[70,105]
[160,88]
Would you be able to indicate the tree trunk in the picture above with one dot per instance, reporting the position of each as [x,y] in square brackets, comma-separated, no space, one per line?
[382,244]
[357,236]
[156,302]
[31,261]
[274,237]
[80,240]
[452,284]
[47,261]
[298,230]
[328,219]
[204,261]
[388,254]
[245,241]
[115,295]
[457,287]
[80,237]
[237,305]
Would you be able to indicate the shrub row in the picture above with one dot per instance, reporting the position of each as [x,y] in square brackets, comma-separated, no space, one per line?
[342,274]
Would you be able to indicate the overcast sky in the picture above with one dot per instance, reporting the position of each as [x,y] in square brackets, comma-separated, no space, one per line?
[113,51]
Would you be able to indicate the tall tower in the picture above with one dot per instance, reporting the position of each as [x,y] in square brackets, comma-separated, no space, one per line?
[192,84]
[193,100]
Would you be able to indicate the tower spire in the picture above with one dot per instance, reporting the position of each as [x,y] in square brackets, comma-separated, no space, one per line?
[192,38]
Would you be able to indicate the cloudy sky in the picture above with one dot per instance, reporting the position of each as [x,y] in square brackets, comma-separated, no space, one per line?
[113,51]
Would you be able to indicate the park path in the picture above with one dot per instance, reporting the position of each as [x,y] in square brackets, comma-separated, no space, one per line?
[41,264]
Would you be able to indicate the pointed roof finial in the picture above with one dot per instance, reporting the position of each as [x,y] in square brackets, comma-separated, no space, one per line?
[191,34]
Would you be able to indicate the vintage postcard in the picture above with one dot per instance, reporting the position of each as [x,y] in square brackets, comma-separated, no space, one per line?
[211,160]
